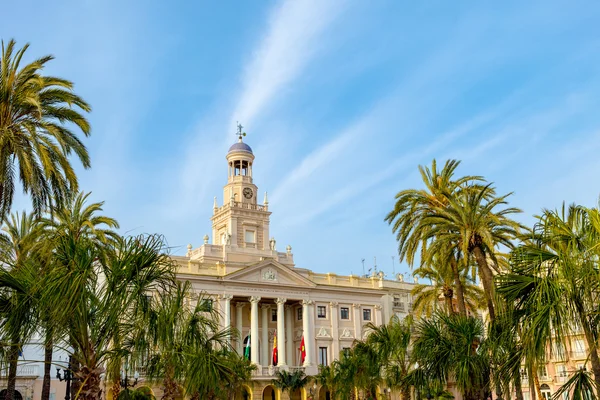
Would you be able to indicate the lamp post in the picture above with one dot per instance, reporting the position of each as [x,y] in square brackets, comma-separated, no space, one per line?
[125,382]
[67,376]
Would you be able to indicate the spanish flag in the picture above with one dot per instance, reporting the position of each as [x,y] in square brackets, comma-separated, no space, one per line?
[302,351]
[275,348]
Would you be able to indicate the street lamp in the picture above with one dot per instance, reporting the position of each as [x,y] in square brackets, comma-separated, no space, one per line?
[66,377]
[125,382]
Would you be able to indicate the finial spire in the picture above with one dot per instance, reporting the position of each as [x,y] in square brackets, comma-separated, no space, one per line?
[266,201]
[240,133]
[215,205]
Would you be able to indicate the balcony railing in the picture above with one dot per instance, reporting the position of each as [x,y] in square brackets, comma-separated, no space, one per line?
[27,370]
[561,378]
[271,370]
[249,206]
[578,355]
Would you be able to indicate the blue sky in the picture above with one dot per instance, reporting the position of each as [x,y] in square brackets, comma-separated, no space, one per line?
[342,100]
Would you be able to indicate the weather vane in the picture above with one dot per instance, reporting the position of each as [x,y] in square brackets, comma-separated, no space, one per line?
[239,131]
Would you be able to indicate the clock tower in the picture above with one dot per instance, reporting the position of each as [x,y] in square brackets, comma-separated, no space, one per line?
[241,222]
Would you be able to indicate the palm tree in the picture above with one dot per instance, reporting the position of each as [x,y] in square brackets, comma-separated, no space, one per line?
[412,206]
[290,382]
[242,372]
[180,345]
[345,370]
[36,138]
[18,287]
[391,345]
[327,379]
[554,282]
[81,221]
[472,222]
[453,346]
[94,295]
[440,274]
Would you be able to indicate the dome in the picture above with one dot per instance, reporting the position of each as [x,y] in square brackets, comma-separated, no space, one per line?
[240,146]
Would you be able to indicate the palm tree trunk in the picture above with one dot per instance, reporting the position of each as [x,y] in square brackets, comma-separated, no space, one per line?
[518,388]
[90,389]
[13,357]
[536,383]
[48,349]
[170,389]
[74,366]
[116,389]
[487,279]
[460,289]
[449,305]
[593,350]
[405,394]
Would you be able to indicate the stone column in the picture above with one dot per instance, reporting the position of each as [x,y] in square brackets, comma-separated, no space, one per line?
[227,313]
[378,317]
[281,362]
[357,322]
[307,332]
[333,316]
[264,335]
[239,311]
[254,329]
[289,335]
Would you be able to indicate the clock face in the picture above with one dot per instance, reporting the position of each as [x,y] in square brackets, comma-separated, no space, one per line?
[248,193]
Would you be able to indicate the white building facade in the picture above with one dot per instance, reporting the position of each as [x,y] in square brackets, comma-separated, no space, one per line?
[262,293]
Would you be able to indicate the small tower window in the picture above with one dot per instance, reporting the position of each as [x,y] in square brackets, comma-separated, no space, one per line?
[250,237]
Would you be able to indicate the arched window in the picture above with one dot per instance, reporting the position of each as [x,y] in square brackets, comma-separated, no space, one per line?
[546,394]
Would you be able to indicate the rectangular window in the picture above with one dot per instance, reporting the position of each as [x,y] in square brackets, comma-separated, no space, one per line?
[578,346]
[206,305]
[249,237]
[345,351]
[273,315]
[300,314]
[526,396]
[321,312]
[367,314]
[344,313]
[561,370]
[543,372]
[323,356]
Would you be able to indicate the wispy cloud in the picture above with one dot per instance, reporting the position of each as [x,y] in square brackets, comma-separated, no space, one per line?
[293,38]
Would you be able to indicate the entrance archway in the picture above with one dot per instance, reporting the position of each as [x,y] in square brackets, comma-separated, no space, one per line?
[269,393]
[296,394]
[17,395]
[324,393]
[243,393]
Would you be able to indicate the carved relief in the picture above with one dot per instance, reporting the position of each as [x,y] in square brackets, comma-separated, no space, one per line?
[323,332]
[346,334]
[269,275]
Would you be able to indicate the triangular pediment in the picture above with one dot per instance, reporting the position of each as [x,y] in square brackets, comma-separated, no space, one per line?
[269,272]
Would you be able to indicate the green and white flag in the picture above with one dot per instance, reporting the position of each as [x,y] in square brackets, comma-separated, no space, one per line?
[247,349]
